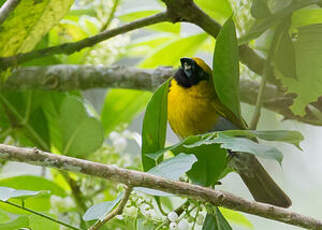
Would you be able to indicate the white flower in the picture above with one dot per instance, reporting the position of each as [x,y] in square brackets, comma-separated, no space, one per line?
[199,219]
[183,225]
[120,217]
[114,136]
[173,226]
[120,144]
[172,216]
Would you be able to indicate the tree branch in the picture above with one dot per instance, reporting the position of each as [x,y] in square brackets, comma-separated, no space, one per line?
[82,77]
[7,8]
[117,211]
[140,179]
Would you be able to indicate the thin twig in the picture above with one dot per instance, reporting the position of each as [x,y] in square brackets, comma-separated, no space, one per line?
[42,215]
[117,211]
[110,16]
[141,179]
[259,103]
[7,8]
[71,47]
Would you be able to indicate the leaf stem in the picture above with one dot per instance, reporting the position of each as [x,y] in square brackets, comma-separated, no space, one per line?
[110,16]
[42,215]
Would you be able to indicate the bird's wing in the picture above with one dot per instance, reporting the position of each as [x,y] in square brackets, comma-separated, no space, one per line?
[227,115]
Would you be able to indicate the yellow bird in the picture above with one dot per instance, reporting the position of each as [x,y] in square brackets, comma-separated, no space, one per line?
[194,108]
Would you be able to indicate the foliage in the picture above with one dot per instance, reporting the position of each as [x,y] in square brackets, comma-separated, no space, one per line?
[95,127]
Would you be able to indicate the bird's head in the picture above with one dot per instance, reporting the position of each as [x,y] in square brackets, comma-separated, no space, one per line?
[192,71]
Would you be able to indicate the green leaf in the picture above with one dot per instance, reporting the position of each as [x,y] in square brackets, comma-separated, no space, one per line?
[172,169]
[82,134]
[226,67]
[219,10]
[183,47]
[154,125]
[237,144]
[26,117]
[16,223]
[216,221]
[144,224]
[236,217]
[307,16]
[28,23]
[308,51]
[284,53]
[34,183]
[99,211]
[8,193]
[260,9]
[287,136]
[40,223]
[121,106]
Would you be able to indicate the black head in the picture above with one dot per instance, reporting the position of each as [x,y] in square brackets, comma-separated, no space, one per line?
[190,73]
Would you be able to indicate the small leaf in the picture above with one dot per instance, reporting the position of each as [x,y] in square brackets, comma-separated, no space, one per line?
[35,183]
[8,193]
[216,221]
[236,217]
[237,144]
[99,211]
[172,169]
[154,125]
[260,9]
[16,223]
[226,67]
[121,106]
[219,10]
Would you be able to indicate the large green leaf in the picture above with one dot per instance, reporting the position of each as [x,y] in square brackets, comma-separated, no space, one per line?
[165,55]
[283,50]
[238,144]
[25,116]
[154,125]
[226,68]
[82,134]
[40,223]
[219,10]
[216,221]
[121,106]
[307,16]
[287,136]
[308,85]
[172,169]
[28,23]
[99,211]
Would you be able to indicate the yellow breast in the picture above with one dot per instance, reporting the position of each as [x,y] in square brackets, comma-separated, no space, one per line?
[189,109]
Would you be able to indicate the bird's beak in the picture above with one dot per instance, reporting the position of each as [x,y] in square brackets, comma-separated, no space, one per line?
[187,65]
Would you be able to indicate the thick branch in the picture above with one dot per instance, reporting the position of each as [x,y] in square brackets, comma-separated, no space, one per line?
[7,8]
[80,77]
[140,179]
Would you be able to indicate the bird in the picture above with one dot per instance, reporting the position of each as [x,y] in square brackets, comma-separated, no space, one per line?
[194,108]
